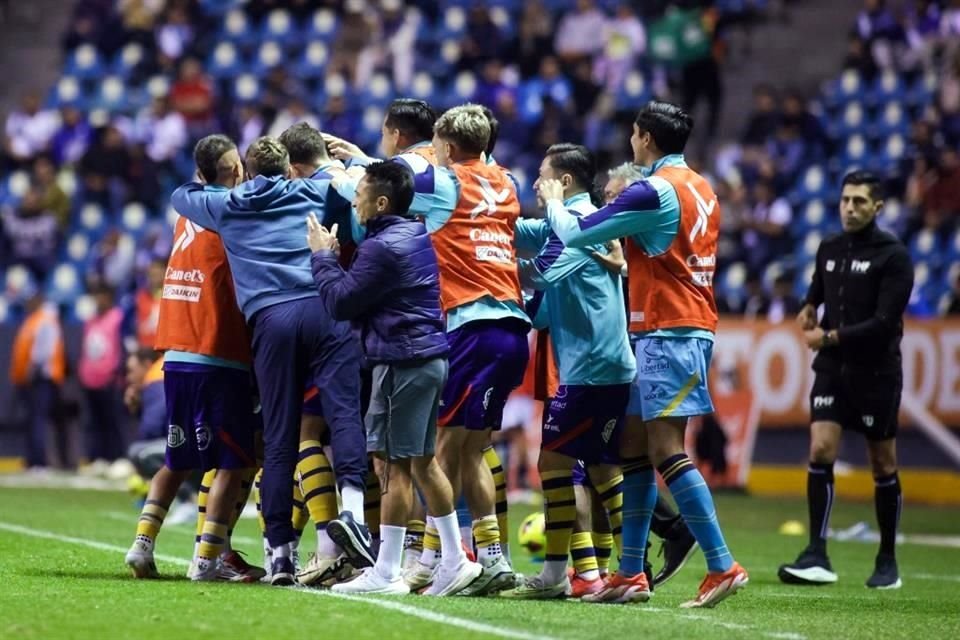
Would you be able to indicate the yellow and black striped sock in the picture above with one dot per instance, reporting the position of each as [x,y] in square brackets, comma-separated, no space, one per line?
[431,544]
[371,501]
[486,534]
[415,534]
[500,484]
[246,486]
[151,519]
[212,539]
[202,495]
[316,486]
[300,516]
[603,545]
[611,495]
[561,513]
[584,555]
[256,497]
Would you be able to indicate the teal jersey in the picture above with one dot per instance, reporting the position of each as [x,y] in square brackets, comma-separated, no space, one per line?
[648,212]
[580,301]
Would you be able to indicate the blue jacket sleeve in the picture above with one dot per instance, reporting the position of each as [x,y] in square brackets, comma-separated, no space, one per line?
[634,211]
[198,205]
[350,294]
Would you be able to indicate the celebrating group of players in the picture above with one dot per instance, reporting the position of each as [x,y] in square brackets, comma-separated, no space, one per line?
[406,305]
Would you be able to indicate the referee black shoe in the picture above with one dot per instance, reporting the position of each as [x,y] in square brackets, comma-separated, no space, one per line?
[812,567]
[675,551]
[885,574]
[354,538]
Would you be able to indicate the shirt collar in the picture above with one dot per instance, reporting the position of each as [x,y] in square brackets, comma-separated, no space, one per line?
[576,199]
[670,160]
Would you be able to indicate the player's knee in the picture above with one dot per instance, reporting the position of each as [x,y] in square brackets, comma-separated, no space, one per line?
[822,450]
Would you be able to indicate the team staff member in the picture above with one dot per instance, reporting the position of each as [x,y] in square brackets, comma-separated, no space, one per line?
[863,278]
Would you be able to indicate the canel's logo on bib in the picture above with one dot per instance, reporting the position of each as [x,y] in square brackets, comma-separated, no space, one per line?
[491,198]
[704,211]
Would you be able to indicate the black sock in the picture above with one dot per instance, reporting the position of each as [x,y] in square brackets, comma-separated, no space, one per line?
[819,502]
[664,518]
[888,498]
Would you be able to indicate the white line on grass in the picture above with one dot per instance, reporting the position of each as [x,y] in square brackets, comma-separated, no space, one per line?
[176,528]
[934,576]
[416,612]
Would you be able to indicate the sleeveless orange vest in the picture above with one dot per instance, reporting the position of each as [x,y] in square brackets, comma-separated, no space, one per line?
[23,347]
[675,289]
[475,247]
[198,307]
[148,317]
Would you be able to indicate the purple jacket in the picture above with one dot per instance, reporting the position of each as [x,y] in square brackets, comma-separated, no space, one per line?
[391,293]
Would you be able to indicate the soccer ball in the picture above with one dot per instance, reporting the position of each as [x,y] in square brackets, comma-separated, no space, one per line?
[532,536]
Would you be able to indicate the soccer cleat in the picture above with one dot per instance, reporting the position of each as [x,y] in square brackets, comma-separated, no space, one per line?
[812,567]
[353,538]
[494,579]
[233,568]
[140,559]
[419,576]
[619,589]
[536,588]
[205,570]
[675,554]
[322,571]
[885,574]
[450,582]
[282,572]
[717,586]
[411,557]
[580,586]
[371,582]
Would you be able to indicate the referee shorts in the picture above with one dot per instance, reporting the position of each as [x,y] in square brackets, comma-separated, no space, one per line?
[867,401]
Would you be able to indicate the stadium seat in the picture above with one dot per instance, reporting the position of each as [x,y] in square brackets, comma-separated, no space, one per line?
[891,120]
[65,284]
[811,242]
[378,92]
[113,95]
[237,29]
[813,184]
[335,85]
[846,88]
[15,279]
[371,126]
[853,121]
[92,219]
[454,22]
[269,55]
[888,87]
[804,278]
[313,62]
[84,62]
[923,89]
[464,86]
[158,86]
[892,215]
[128,59]
[68,91]
[733,279]
[450,52]
[322,25]
[78,247]
[422,87]
[501,17]
[893,152]
[84,308]
[225,61]
[773,271]
[855,152]
[280,26]
[246,88]
[17,184]
[67,180]
[5,315]
[133,218]
[924,247]
[814,215]
[633,93]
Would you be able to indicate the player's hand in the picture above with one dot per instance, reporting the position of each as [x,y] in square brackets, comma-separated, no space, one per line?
[807,318]
[341,149]
[319,238]
[131,398]
[550,189]
[613,261]
[814,338]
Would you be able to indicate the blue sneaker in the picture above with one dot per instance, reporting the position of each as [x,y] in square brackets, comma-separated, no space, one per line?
[354,539]
[282,573]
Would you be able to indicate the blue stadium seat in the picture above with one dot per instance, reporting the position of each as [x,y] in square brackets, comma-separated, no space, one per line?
[852,121]
[225,61]
[923,89]
[951,251]
[65,284]
[5,312]
[313,62]
[15,279]
[67,92]
[322,25]
[133,218]
[891,120]
[733,279]
[92,219]
[77,248]
[112,95]
[464,87]
[82,309]
[848,87]
[127,60]
[633,93]
[893,216]
[855,152]
[423,87]
[237,29]
[924,247]
[814,216]
[803,279]
[84,62]
[334,85]
[269,55]
[453,23]
[246,88]
[811,242]
[371,124]
[17,184]
[888,87]
[378,92]
[813,184]
[158,86]
[449,52]
[501,17]
[280,26]
[892,153]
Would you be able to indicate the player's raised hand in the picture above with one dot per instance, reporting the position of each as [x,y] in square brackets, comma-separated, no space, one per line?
[319,238]
[341,149]
[613,261]
[550,189]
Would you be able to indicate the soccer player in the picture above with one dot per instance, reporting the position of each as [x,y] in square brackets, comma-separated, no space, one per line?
[584,309]
[206,378]
[671,221]
[392,295]
[863,279]
[294,339]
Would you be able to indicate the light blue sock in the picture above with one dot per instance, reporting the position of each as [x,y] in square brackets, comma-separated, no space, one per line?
[465,521]
[695,503]
[639,498]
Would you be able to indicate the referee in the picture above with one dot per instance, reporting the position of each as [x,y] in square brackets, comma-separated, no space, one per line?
[863,278]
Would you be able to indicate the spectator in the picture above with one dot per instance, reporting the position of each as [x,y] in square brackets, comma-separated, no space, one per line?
[104,168]
[796,112]
[339,120]
[624,40]
[162,131]
[30,129]
[755,301]
[585,89]
[175,34]
[549,85]
[765,236]
[52,197]
[787,151]
[101,359]
[514,136]
[491,84]
[535,37]
[859,59]
[250,125]
[355,33]
[279,88]
[483,39]
[948,100]
[764,119]
[577,36]
[72,138]
[38,367]
[875,21]
[148,304]
[783,305]
[941,202]
[192,96]
[31,232]
[111,262]
[295,112]
[394,41]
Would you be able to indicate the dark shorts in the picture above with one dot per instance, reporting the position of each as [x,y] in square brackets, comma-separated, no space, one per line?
[487,362]
[210,418]
[402,419]
[867,402]
[584,422]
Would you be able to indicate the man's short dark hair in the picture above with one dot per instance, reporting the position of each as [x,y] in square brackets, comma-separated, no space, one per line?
[576,160]
[393,180]
[267,157]
[207,154]
[304,144]
[669,125]
[494,130]
[413,118]
[872,180]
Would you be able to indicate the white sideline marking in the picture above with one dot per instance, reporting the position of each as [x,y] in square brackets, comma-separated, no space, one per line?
[176,528]
[416,612]
[933,576]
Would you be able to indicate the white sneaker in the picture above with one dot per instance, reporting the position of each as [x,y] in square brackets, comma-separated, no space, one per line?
[205,570]
[182,513]
[411,557]
[419,576]
[323,571]
[370,581]
[140,559]
[449,582]
[496,577]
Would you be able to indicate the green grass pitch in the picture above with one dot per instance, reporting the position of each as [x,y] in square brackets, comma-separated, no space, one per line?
[62,576]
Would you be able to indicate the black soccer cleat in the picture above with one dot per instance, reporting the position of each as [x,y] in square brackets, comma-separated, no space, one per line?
[812,567]
[282,573]
[675,551]
[354,539]
[885,574]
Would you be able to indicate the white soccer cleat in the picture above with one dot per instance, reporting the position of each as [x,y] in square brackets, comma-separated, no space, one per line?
[419,576]
[323,571]
[495,578]
[205,570]
[450,582]
[371,582]
[140,559]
